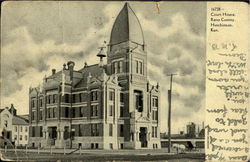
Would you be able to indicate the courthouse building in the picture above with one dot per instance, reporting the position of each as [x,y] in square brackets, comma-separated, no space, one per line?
[101,106]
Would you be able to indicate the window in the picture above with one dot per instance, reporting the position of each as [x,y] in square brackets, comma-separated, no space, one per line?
[33,115]
[154,131]
[120,66]
[15,128]
[33,131]
[40,115]
[116,67]
[53,112]
[73,98]
[138,100]
[66,98]
[26,137]
[121,131]
[48,98]
[81,111]
[121,97]
[73,112]
[41,102]
[54,98]
[94,110]
[80,97]
[94,130]
[155,102]
[6,123]
[111,146]
[139,67]
[15,138]
[154,115]
[110,129]
[94,95]
[110,110]
[21,128]
[33,103]
[111,95]
[121,111]
[26,129]
[41,131]
[21,137]
[66,112]
[48,113]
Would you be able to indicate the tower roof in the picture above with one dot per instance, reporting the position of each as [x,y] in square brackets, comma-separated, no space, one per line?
[126,27]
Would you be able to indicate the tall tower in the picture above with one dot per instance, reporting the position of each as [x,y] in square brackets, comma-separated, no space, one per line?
[127,59]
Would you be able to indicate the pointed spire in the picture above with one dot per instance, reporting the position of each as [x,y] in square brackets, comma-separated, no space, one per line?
[126,27]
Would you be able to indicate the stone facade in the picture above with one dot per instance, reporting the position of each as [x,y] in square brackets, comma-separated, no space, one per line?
[110,106]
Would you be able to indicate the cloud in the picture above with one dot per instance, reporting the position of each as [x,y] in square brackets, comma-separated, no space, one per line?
[25,61]
[176,49]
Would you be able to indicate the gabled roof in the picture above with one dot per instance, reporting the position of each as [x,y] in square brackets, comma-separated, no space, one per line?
[93,70]
[26,117]
[126,27]
[1,110]
[17,120]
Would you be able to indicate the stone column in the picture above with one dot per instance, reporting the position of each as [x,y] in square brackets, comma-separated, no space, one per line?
[62,132]
[58,134]
[137,136]
[46,134]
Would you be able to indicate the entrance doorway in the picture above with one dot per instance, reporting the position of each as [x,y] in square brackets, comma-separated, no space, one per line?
[52,134]
[143,136]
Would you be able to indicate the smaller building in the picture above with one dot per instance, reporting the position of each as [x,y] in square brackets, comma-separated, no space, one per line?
[191,130]
[13,128]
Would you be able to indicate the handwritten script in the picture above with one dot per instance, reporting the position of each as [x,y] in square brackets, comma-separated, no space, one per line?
[229,74]
[227,85]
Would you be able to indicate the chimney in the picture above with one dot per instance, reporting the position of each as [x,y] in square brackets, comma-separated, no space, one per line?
[64,66]
[53,71]
[89,77]
[157,86]
[85,64]
[12,109]
[71,65]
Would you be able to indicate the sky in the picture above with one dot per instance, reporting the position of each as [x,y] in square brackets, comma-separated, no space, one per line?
[39,36]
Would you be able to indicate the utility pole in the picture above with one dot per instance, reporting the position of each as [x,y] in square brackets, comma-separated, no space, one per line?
[169,111]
